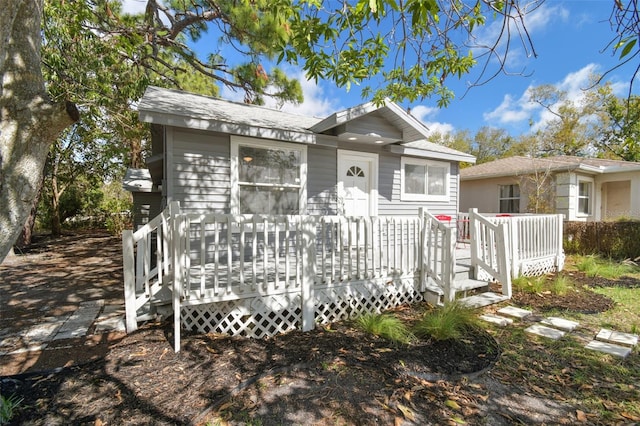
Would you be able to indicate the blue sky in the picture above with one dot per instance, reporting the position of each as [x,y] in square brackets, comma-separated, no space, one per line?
[570,39]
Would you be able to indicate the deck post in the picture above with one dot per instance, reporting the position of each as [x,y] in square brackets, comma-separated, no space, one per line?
[514,244]
[560,248]
[503,259]
[448,265]
[422,252]
[178,252]
[129,281]
[474,236]
[308,228]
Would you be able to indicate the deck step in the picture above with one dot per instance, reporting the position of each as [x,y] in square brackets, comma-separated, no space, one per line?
[483,299]
[469,284]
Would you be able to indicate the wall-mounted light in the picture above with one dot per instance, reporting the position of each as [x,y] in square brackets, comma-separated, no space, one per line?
[247,159]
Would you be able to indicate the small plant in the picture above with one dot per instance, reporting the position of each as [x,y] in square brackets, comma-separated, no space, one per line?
[8,407]
[387,327]
[560,285]
[529,284]
[447,322]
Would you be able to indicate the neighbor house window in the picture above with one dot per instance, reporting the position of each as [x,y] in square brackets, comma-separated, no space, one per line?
[584,197]
[267,177]
[424,180]
[510,198]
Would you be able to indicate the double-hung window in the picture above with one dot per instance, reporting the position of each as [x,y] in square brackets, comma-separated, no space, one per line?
[510,198]
[424,180]
[584,197]
[267,177]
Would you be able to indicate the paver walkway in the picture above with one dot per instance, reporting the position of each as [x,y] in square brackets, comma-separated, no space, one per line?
[608,341]
[77,324]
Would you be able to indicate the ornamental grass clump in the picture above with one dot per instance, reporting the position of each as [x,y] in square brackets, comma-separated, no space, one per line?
[386,326]
[450,321]
[8,407]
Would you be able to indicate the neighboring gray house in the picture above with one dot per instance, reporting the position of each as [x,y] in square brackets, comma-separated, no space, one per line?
[585,189]
[218,156]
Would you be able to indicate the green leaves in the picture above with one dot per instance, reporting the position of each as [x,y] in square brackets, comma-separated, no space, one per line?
[627,46]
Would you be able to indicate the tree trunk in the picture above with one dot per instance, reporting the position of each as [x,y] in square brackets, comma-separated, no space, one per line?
[26,236]
[56,225]
[29,121]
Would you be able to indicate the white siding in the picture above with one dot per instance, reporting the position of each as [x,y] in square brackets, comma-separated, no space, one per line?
[389,191]
[321,180]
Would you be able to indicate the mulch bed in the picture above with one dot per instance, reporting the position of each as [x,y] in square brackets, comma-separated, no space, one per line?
[331,375]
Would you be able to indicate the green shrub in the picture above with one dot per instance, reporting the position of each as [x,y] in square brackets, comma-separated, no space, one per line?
[386,326]
[446,322]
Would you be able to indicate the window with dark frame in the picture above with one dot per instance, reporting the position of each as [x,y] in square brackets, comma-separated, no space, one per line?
[510,198]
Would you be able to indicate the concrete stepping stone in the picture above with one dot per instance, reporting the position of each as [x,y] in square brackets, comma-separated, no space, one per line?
[544,331]
[79,322]
[609,348]
[496,319]
[561,323]
[616,337]
[512,311]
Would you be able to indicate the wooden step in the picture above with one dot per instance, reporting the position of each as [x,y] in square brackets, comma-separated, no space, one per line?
[469,284]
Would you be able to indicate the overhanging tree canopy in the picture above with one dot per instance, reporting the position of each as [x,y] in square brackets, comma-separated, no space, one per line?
[407,49]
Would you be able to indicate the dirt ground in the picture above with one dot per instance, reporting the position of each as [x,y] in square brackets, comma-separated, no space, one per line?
[332,375]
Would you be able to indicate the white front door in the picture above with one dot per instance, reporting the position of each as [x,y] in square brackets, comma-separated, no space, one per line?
[357,183]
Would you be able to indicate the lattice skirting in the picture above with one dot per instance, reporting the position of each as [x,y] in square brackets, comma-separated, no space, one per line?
[255,317]
[271,315]
[538,267]
[358,297]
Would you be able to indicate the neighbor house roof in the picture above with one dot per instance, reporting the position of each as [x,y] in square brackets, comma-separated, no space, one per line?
[518,165]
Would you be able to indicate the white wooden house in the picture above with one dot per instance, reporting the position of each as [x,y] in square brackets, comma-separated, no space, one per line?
[273,221]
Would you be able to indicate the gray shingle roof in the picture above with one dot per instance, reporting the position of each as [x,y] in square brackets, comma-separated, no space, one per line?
[518,165]
[182,104]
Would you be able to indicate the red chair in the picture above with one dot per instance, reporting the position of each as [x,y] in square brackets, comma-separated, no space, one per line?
[503,215]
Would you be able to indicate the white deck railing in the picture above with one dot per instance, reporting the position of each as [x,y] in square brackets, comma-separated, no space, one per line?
[345,264]
[534,242]
[147,263]
[489,251]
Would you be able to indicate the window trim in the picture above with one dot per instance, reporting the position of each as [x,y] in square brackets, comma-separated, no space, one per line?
[428,163]
[237,141]
[500,198]
[589,199]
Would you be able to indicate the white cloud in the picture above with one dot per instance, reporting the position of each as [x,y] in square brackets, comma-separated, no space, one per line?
[134,7]
[511,111]
[315,104]
[516,111]
[425,114]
